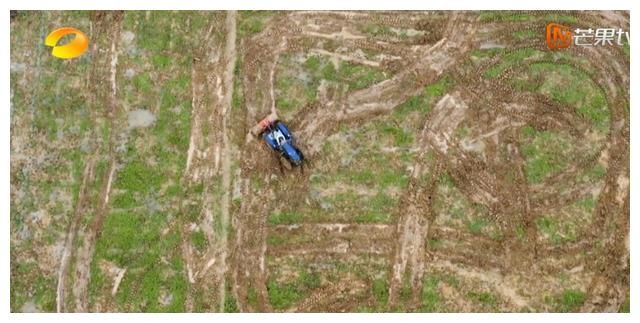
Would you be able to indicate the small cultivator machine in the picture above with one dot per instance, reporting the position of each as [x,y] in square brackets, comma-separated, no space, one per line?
[278,137]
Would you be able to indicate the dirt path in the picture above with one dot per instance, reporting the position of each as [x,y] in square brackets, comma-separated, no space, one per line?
[415,212]
[203,154]
[261,53]
[85,255]
[63,269]
[210,157]
[230,55]
[334,238]
[81,255]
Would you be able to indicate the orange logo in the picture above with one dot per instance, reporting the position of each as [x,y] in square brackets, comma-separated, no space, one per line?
[558,36]
[76,47]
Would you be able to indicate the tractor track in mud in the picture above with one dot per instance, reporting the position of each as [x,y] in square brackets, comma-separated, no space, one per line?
[475,177]
[248,262]
[209,158]
[77,256]
[534,202]
[318,123]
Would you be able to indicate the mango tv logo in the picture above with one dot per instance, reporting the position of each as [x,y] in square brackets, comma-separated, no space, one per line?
[558,36]
[76,47]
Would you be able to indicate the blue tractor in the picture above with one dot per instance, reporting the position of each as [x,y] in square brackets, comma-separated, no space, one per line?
[278,137]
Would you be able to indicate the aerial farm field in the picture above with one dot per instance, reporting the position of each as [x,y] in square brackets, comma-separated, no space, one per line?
[454,163]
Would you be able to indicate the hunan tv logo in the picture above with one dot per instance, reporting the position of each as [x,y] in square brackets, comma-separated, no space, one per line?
[559,36]
[75,48]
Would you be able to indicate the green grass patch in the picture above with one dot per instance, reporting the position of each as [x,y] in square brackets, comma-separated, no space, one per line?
[380,290]
[354,75]
[400,136]
[153,38]
[358,76]
[137,176]
[283,295]
[477,225]
[374,209]
[372,218]
[484,298]
[554,230]
[295,86]
[41,291]
[406,291]
[199,240]
[313,63]
[430,294]
[153,34]
[367,176]
[597,172]
[525,34]
[252,296]
[573,87]
[161,61]
[626,306]
[439,87]
[378,30]
[423,101]
[545,153]
[230,304]
[461,132]
[284,217]
[381,205]
[563,19]
[510,59]
[571,300]
[504,16]
[587,204]
[143,83]
[276,240]
[251,22]
[626,49]
[414,103]
[486,52]
[128,232]
[135,242]
[123,201]
[521,233]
